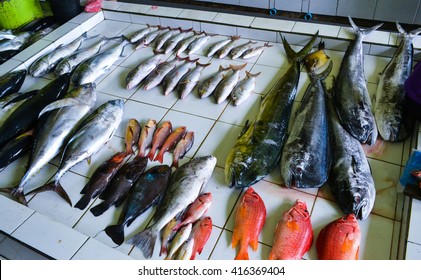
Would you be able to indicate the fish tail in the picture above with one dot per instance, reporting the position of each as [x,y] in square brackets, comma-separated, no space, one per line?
[298,56]
[363,31]
[175,163]
[151,154]
[252,75]
[83,202]
[145,240]
[323,75]
[99,209]
[55,187]
[164,250]
[237,67]
[159,157]
[234,38]
[17,193]
[116,233]
[402,31]
[242,254]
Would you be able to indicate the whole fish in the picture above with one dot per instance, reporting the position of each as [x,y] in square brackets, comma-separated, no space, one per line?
[12,102]
[146,137]
[218,45]
[142,70]
[185,185]
[117,190]
[198,43]
[47,62]
[92,68]
[146,192]
[225,50]
[351,181]
[170,142]
[180,237]
[244,88]
[11,82]
[258,149]
[392,121]
[226,86]
[158,74]
[95,131]
[15,149]
[195,210]
[250,53]
[16,43]
[100,179]
[293,234]
[184,43]
[250,217]
[166,235]
[161,40]
[306,156]
[339,240]
[67,64]
[186,250]
[159,137]
[189,81]
[138,35]
[182,147]
[208,86]
[171,80]
[351,97]
[175,39]
[149,38]
[132,135]
[236,52]
[201,232]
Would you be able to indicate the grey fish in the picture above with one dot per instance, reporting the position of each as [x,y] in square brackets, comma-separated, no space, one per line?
[226,86]
[158,74]
[255,51]
[218,45]
[95,131]
[136,36]
[175,39]
[183,44]
[351,97]
[198,43]
[190,80]
[208,86]
[142,70]
[185,185]
[258,149]
[392,122]
[225,50]
[161,40]
[171,80]
[244,88]
[238,51]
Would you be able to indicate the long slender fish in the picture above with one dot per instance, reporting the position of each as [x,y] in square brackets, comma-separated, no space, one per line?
[226,49]
[183,44]
[198,43]
[226,86]
[171,80]
[159,42]
[175,39]
[238,51]
[351,97]
[142,70]
[158,74]
[218,45]
[136,36]
[392,121]
[189,81]
[255,51]
[208,86]
[258,149]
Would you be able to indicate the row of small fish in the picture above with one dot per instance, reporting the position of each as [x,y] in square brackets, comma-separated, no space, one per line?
[228,48]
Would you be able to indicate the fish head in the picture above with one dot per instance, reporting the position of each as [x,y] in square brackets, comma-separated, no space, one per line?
[315,61]
[117,103]
[38,68]
[206,223]
[62,68]
[348,224]
[205,198]
[251,197]
[298,211]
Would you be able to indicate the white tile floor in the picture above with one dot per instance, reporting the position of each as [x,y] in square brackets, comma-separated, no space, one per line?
[216,128]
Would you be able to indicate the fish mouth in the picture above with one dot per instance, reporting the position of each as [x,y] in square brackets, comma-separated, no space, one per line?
[362,209]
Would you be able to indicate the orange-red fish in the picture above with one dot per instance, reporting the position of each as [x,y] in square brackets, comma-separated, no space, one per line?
[293,234]
[159,137]
[201,232]
[339,240]
[146,136]
[195,210]
[250,217]
[182,147]
[170,142]
[132,135]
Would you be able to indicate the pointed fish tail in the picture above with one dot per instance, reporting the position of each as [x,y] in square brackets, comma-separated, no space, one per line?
[17,193]
[116,233]
[159,157]
[298,56]
[363,31]
[242,254]
[99,209]
[55,187]
[411,34]
[83,202]
[145,240]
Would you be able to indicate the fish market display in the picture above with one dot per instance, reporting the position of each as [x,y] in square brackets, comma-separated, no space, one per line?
[158,74]
[11,82]
[184,43]
[171,80]
[159,137]
[182,147]
[161,40]
[226,86]
[146,192]
[180,237]
[243,90]
[293,234]
[226,49]
[143,69]
[217,46]
[146,137]
[149,38]
[250,53]
[339,240]
[189,81]
[237,52]
[15,149]
[250,216]
[258,149]
[170,142]
[351,96]
[198,43]
[185,185]
[200,234]
[138,35]
[195,210]
[175,39]
[208,86]
[389,108]
[132,135]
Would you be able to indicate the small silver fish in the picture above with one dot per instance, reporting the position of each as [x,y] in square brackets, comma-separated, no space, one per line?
[198,43]
[244,88]
[255,51]
[180,237]
[183,44]
[139,73]
[149,38]
[161,40]
[225,50]
[142,33]
[218,45]
[171,80]
[190,80]
[225,87]
[208,86]
[238,51]
[173,41]
[159,73]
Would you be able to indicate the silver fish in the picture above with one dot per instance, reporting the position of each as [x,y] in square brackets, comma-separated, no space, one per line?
[38,35]
[183,44]
[225,87]
[198,43]
[161,40]
[208,86]
[186,250]
[244,88]
[171,80]
[180,237]
[159,73]
[190,80]
[15,43]
[7,34]
[225,50]
[218,45]
[47,62]
[173,41]
[238,51]
[95,131]
[255,51]
[391,120]
[149,38]
[142,70]
[351,97]
[142,33]
[185,185]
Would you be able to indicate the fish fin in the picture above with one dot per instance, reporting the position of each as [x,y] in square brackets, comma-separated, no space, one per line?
[88,160]
[254,244]
[237,67]
[163,251]
[363,31]
[294,56]
[151,154]
[236,236]
[145,240]
[242,255]
[55,187]
[245,128]
[322,75]
[347,245]
[83,202]
[99,209]
[16,193]
[116,233]
[60,104]
[160,156]
[293,225]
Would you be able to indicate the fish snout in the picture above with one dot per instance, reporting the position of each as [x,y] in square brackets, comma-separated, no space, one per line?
[117,102]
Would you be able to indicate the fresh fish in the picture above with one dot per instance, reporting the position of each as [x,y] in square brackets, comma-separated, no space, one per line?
[255,51]
[351,97]
[218,45]
[11,82]
[16,43]
[317,60]
[95,131]
[138,35]
[175,39]
[201,232]
[6,55]
[100,179]
[166,235]
[117,190]
[38,35]
[180,237]
[14,98]
[306,156]
[236,52]
[132,135]
[225,50]
[250,217]
[183,44]
[198,43]
[171,80]
[7,34]
[339,240]
[208,86]
[185,185]
[391,119]
[161,40]
[350,177]
[149,38]
[258,149]
[226,86]
[67,64]
[147,191]
[244,88]
[170,142]
[146,137]
[142,70]
[37,24]
[15,149]
[195,210]
[186,250]
[182,147]
[47,62]
[293,234]
[92,68]
[159,137]
[190,80]
[158,74]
